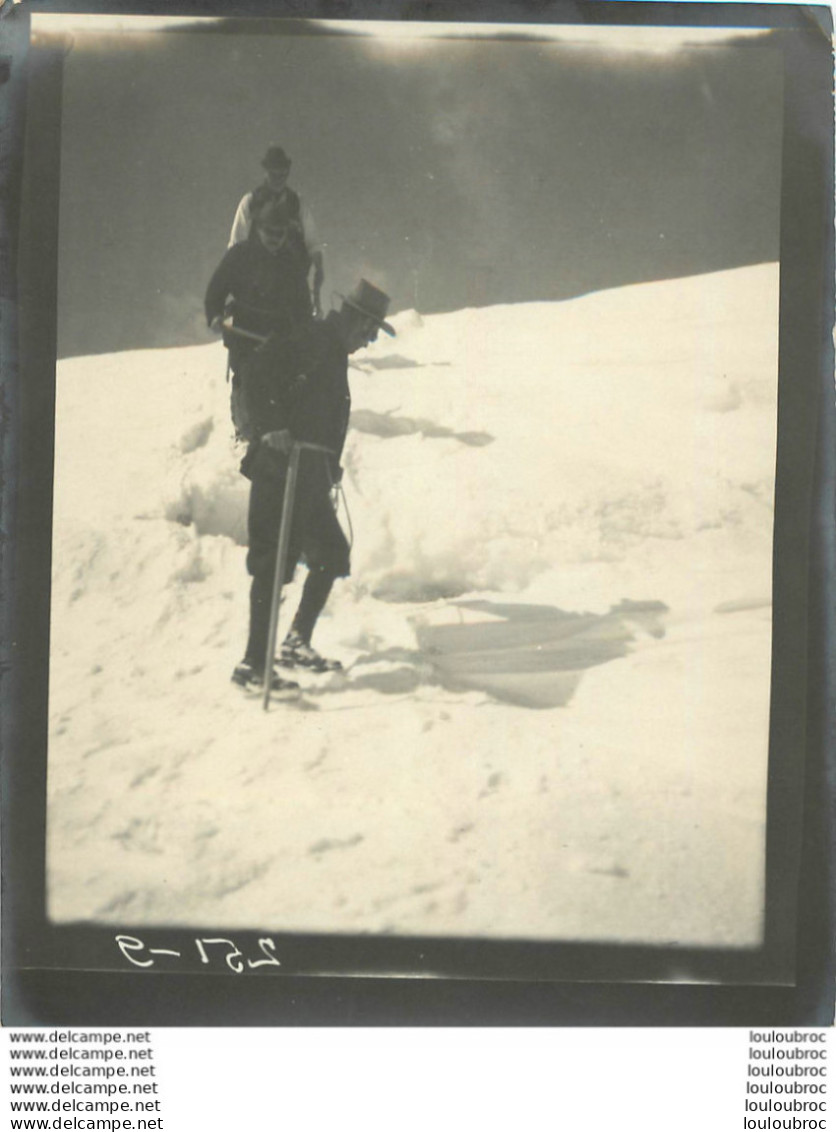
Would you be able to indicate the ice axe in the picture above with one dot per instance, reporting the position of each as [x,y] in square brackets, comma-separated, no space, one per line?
[230,329]
[281,555]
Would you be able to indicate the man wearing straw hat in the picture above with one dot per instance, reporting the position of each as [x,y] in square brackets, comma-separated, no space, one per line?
[296,389]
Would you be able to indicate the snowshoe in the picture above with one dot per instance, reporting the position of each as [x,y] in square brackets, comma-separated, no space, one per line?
[296,653]
[250,677]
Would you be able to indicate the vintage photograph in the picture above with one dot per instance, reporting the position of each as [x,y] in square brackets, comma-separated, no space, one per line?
[463,339]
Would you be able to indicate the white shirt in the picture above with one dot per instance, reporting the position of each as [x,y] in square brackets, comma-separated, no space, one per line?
[243,221]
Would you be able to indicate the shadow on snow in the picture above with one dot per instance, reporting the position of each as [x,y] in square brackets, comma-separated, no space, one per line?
[386,426]
[532,656]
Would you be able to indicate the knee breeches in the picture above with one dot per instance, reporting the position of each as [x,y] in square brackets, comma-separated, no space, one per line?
[315,534]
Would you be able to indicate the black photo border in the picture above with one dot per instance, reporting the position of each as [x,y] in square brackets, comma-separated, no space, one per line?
[78,975]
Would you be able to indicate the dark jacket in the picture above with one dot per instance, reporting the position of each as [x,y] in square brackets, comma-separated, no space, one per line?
[269,293]
[299,382]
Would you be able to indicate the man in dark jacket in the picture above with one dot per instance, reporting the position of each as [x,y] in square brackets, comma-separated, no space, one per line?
[265,278]
[296,389]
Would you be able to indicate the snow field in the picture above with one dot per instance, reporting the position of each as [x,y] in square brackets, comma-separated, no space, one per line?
[615,448]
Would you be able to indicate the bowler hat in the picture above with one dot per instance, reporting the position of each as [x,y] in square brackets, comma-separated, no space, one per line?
[372,302]
[275,158]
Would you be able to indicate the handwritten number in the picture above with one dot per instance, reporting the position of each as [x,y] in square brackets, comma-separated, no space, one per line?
[233,957]
[271,960]
[128,943]
[131,947]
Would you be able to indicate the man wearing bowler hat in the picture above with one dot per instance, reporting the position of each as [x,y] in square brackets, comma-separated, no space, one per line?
[276,165]
[297,390]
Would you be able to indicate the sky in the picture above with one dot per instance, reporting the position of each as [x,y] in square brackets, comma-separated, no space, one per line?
[453,173]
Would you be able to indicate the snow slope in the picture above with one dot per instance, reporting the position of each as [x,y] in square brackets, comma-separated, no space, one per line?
[554,723]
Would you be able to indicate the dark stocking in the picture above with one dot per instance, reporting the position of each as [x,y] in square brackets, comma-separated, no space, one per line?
[261,595]
[314,596]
